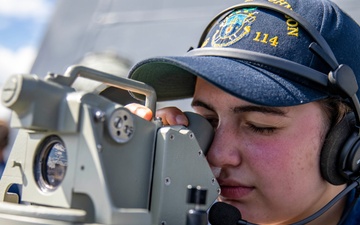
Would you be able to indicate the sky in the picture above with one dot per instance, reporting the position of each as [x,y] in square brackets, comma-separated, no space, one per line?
[22,27]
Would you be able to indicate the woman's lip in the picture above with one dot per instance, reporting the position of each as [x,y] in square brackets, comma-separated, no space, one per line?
[235,191]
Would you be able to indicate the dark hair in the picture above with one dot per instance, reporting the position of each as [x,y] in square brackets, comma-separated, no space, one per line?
[335,108]
[4,134]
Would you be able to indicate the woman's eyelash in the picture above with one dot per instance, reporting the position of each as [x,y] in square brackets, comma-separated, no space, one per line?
[262,130]
[257,129]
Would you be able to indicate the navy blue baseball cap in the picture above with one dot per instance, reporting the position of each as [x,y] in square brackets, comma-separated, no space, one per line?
[251,27]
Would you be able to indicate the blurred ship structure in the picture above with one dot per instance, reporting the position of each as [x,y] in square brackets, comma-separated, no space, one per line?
[135,29]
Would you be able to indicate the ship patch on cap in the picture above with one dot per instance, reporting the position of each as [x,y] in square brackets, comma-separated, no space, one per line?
[236,26]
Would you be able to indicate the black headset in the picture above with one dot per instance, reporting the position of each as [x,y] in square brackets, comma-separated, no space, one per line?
[340,156]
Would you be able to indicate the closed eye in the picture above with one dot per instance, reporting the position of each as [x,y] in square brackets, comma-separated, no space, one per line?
[262,130]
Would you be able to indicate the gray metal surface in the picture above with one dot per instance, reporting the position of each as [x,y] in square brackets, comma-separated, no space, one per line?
[351,7]
[134,29]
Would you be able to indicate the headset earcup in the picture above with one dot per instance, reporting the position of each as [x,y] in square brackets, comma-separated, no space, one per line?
[334,144]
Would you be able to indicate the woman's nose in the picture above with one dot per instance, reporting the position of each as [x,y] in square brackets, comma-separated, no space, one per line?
[225,149]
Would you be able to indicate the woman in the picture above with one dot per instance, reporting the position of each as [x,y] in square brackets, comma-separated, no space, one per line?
[256,80]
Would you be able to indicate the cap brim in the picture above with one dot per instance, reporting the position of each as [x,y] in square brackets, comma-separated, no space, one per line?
[175,77]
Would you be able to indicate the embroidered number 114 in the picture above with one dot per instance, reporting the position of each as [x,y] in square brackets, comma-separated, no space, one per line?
[264,38]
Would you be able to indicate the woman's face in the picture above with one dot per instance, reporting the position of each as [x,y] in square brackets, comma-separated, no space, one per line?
[266,159]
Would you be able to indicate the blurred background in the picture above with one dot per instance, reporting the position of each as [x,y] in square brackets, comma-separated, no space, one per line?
[41,36]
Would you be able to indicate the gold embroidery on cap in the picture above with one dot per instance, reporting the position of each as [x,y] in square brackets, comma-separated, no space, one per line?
[234,27]
[266,39]
[292,25]
[205,42]
[282,3]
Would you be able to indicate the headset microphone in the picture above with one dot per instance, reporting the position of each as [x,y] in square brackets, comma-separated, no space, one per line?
[222,213]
